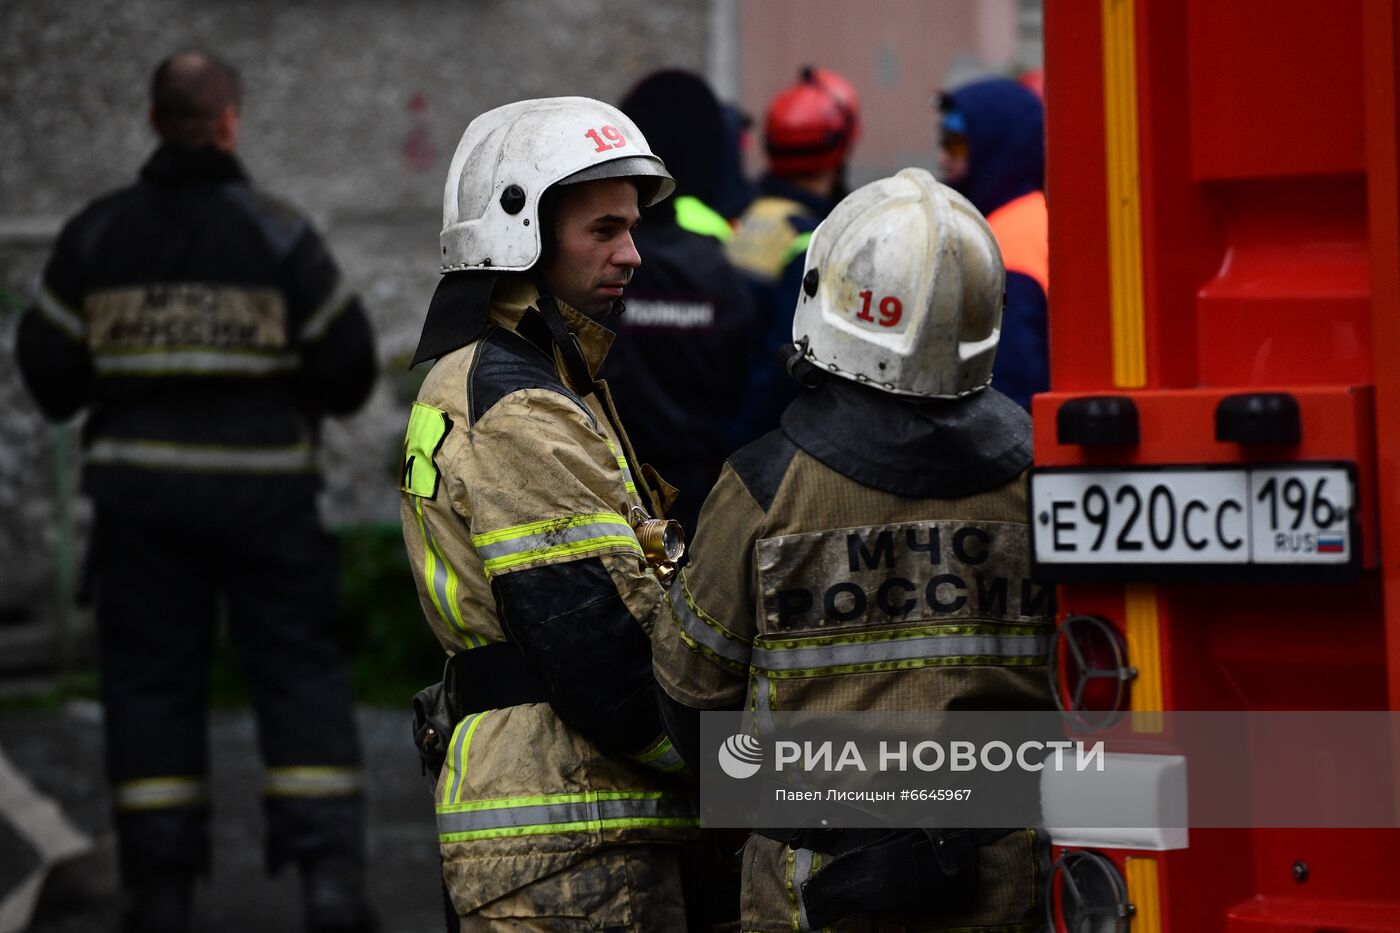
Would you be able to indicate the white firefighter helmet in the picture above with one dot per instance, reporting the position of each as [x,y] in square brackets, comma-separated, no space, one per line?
[903,290]
[510,156]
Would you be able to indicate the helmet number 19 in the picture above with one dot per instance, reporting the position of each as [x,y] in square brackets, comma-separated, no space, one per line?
[611,138]
[890,309]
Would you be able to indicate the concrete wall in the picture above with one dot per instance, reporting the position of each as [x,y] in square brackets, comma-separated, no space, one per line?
[352,110]
[897,54]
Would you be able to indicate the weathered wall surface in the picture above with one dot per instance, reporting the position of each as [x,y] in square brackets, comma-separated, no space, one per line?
[352,110]
[896,54]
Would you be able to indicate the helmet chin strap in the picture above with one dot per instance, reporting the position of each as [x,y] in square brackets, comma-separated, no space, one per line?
[579,375]
[793,356]
[566,341]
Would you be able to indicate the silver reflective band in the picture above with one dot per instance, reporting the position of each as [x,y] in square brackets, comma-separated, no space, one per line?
[551,540]
[59,314]
[697,628]
[312,782]
[320,320]
[158,455]
[763,705]
[801,871]
[627,479]
[666,760]
[195,362]
[161,793]
[667,763]
[593,813]
[458,756]
[926,647]
[439,576]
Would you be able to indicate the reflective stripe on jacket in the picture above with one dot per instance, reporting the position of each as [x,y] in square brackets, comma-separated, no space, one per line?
[809,590]
[838,590]
[207,329]
[510,474]
[762,245]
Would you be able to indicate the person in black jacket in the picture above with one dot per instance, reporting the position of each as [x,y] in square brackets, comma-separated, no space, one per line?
[809,133]
[992,150]
[899,448]
[206,331]
[682,350]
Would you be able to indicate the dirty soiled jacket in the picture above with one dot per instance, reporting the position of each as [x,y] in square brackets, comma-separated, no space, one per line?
[872,554]
[516,491]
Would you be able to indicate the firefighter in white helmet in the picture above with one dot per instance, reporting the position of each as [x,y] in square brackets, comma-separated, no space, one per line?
[523,516]
[902,452]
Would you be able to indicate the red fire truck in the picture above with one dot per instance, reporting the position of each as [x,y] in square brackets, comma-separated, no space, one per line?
[1217,480]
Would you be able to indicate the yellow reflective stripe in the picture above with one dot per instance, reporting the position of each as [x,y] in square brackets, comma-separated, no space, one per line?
[312,781]
[59,314]
[577,549]
[577,826]
[885,636]
[472,639]
[160,793]
[661,756]
[797,247]
[912,664]
[548,524]
[533,800]
[763,703]
[441,582]
[627,479]
[698,217]
[903,650]
[560,813]
[429,561]
[569,536]
[799,869]
[459,758]
[467,747]
[789,873]
[760,245]
[655,750]
[702,632]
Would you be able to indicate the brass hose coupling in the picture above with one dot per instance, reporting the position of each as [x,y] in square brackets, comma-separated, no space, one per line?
[662,539]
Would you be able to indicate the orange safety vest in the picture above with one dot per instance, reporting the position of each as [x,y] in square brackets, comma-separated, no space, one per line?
[1022,231]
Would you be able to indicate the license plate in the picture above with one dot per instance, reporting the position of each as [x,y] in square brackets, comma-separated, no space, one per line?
[1271,516]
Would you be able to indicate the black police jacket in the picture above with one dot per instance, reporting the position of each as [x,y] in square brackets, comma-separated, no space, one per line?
[678,364]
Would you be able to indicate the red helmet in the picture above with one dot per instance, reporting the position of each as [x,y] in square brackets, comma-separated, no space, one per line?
[813,124]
